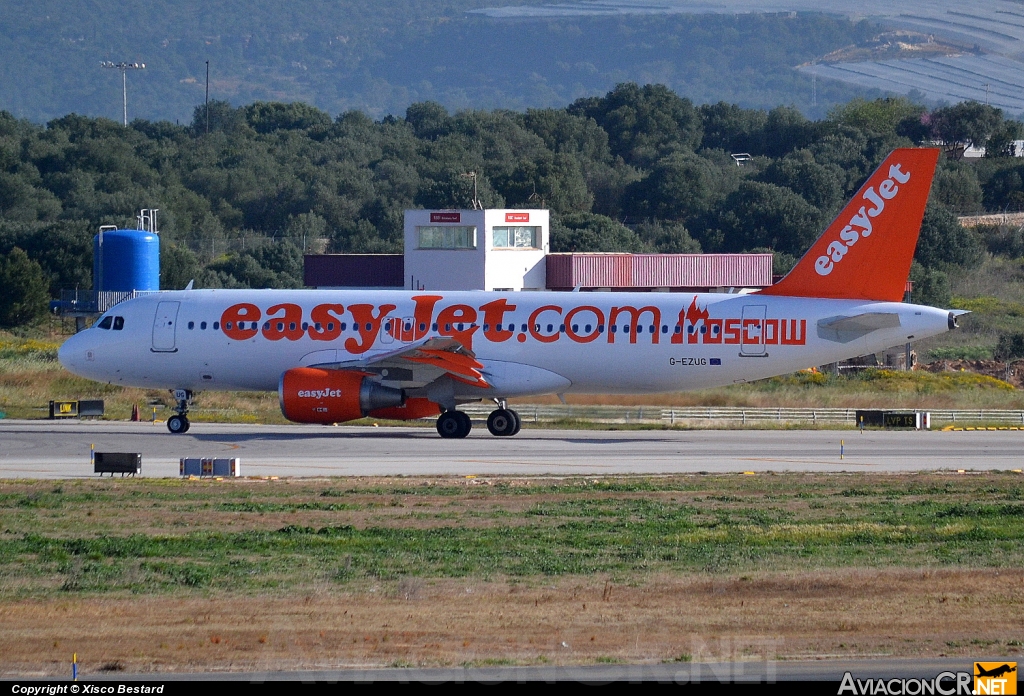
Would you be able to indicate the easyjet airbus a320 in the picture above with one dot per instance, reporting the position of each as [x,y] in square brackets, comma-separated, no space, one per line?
[339,355]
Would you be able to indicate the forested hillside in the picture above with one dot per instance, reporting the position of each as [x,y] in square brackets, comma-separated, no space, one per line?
[639,169]
[378,56]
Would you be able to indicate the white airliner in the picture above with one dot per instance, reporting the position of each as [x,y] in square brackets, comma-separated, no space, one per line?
[338,355]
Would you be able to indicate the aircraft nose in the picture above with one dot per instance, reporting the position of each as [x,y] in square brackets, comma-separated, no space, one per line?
[71,354]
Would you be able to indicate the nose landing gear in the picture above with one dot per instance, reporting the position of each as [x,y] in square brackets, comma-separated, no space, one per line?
[179,423]
[503,422]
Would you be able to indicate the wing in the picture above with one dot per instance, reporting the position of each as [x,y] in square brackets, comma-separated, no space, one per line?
[412,365]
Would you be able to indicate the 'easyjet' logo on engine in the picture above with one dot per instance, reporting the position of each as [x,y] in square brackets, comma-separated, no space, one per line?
[860,224]
[318,393]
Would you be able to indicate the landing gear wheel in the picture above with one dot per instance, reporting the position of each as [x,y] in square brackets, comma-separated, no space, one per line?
[465,423]
[453,424]
[519,422]
[502,422]
[178,424]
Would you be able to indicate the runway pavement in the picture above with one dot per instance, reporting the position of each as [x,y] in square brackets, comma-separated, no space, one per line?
[60,449]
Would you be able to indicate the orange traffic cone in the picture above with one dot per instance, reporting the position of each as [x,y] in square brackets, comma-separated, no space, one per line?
[135,412]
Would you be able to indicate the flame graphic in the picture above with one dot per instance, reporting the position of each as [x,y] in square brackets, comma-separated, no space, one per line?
[695,314]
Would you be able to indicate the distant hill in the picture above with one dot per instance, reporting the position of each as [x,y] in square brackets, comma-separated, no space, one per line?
[380,56]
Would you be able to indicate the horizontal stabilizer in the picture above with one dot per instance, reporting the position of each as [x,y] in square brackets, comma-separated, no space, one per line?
[846,329]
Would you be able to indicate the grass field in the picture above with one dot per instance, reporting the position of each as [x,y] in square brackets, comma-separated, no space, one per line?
[172,574]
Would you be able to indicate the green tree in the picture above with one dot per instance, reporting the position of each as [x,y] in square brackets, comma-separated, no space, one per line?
[878,115]
[267,117]
[943,241]
[591,232]
[1002,142]
[23,289]
[178,266]
[219,115]
[768,216]
[428,119]
[957,189]
[964,125]
[930,286]
[640,121]
[1009,347]
[680,187]
[733,129]
[821,185]
[667,237]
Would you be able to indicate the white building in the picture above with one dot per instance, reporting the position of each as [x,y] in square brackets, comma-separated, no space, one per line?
[476,249]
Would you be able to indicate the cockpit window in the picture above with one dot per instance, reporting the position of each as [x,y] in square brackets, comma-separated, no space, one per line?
[118,323]
[105,322]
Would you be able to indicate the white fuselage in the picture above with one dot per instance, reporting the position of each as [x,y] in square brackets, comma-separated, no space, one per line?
[547,342]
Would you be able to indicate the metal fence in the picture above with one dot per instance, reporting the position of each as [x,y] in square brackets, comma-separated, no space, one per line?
[74,302]
[534,413]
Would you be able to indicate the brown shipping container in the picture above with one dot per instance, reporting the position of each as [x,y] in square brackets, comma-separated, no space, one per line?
[567,271]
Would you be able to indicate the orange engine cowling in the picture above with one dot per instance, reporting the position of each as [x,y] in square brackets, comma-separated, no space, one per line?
[315,395]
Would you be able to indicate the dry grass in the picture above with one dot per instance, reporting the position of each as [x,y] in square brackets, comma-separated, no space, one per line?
[179,575]
[845,612]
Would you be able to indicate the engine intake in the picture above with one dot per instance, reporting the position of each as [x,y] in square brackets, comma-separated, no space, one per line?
[315,395]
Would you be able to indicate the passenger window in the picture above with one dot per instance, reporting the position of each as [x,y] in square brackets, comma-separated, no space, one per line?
[216,325]
[105,322]
[202,326]
[191,325]
[118,323]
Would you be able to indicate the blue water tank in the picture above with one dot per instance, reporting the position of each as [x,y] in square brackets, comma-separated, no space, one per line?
[130,261]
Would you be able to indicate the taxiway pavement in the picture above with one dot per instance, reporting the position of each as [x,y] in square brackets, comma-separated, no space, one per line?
[60,449]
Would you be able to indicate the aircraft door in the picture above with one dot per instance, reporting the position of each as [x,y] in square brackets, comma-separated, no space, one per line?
[164,325]
[752,330]
[388,329]
[408,329]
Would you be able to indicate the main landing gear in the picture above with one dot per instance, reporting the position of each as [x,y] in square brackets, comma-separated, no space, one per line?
[178,423]
[453,424]
[503,422]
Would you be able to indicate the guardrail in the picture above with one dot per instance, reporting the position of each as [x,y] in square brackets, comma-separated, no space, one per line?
[536,413]
[74,302]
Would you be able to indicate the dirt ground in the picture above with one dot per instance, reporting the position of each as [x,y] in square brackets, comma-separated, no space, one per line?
[569,621]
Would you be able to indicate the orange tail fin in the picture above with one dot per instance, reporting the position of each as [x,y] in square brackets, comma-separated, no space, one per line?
[865,254]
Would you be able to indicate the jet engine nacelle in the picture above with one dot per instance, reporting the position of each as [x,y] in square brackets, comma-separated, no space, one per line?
[315,395]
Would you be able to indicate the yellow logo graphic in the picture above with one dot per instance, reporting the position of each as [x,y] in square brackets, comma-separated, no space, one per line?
[995,678]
